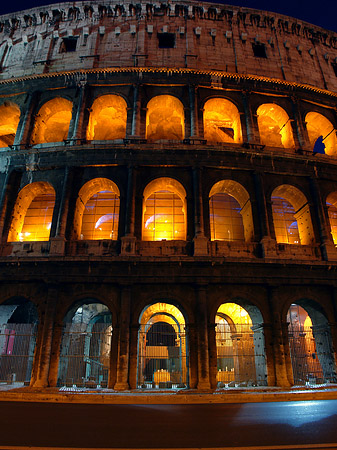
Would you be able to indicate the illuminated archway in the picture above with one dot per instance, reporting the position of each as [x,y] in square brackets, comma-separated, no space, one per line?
[18,329]
[319,126]
[231,217]
[97,210]
[240,349]
[107,119]
[310,344]
[165,118]
[222,121]
[164,210]
[86,345]
[291,216]
[52,121]
[274,126]
[9,120]
[331,203]
[162,348]
[33,213]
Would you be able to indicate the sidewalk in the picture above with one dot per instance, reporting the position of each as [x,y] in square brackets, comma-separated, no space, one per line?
[183,396]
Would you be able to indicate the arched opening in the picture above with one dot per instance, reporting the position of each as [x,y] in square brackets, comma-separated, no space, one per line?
[274,126]
[291,216]
[33,213]
[331,203]
[52,121]
[86,345]
[222,121]
[97,210]
[107,119]
[310,344]
[9,120]
[18,329]
[162,348]
[230,210]
[165,118]
[321,129]
[164,210]
[240,346]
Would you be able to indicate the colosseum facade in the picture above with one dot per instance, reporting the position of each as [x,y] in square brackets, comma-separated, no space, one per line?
[168,197]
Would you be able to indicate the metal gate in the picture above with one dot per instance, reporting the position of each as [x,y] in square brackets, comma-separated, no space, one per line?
[240,354]
[162,356]
[17,343]
[85,355]
[304,358]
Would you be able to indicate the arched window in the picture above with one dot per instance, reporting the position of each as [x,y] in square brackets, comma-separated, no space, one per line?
[164,211]
[222,121]
[274,126]
[319,127]
[107,119]
[291,216]
[86,345]
[331,203]
[165,118]
[33,213]
[162,348]
[52,121]
[9,120]
[311,352]
[18,329]
[240,350]
[230,210]
[97,210]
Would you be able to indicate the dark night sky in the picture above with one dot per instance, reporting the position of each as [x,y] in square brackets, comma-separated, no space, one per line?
[319,12]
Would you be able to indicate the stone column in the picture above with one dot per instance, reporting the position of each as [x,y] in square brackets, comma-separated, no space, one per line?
[113,358]
[58,238]
[44,344]
[202,339]
[124,341]
[269,351]
[323,340]
[26,120]
[192,91]
[75,132]
[213,355]
[328,249]
[261,218]
[55,352]
[280,359]
[134,329]
[136,119]
[128,241]
[250,121]
[191,331]
[200,241]
[300,132]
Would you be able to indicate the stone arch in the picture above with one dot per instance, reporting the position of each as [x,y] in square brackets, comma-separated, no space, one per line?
[331,204]
[162,347]
[291,216]
[52,121]
[222,121]
[310,343]
[227,216]
[18,331]
[274,126]
[164,210]
[107,120]
[86,345]
[33,213]
[9,121]
[165,118]
[318,126]
[240,344]
[97,210]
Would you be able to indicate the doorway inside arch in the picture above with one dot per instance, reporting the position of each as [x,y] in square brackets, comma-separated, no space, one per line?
[240,347]
[18,329]
[162,348]
[310,345]
[85,349]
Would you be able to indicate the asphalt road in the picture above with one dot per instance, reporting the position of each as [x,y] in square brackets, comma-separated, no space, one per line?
[168,426]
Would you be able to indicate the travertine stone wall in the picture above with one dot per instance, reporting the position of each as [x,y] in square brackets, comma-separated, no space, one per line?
[206,36]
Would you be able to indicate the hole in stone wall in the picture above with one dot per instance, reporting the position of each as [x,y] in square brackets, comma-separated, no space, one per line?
[68,45]
[166,40]
[259,50]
